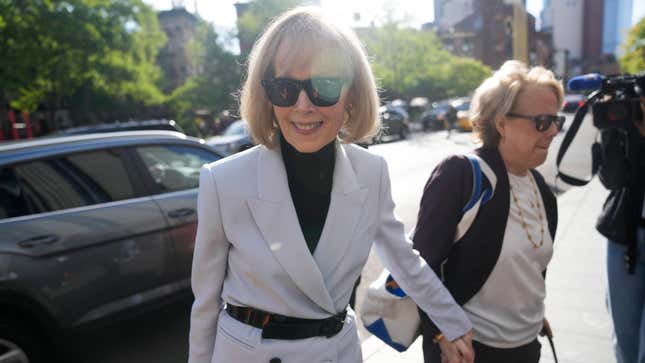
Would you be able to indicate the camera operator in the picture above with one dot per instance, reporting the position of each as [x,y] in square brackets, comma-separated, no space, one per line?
[622,171]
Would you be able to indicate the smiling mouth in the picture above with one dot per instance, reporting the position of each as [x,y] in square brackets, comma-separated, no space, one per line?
[309,126]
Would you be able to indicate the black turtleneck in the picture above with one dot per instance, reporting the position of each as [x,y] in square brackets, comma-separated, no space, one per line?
[310,177]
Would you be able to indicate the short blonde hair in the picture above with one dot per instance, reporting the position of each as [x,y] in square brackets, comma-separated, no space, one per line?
[301,35]
[497,95]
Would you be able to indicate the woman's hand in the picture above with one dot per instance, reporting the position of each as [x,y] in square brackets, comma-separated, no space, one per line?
[546,329]
[458,351]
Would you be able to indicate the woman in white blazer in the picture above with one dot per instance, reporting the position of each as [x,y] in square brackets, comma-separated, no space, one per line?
[286,227]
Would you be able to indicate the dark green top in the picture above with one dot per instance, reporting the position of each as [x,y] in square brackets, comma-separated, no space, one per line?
[310,177]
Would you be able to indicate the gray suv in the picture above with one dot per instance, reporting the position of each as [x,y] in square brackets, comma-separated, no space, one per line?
[92,226]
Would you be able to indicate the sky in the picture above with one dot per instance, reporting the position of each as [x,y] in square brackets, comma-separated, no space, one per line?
[415,12]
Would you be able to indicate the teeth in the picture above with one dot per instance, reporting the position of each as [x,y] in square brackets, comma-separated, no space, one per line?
[307,126]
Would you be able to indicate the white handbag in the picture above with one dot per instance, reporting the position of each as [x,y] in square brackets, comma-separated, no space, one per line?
[387,312]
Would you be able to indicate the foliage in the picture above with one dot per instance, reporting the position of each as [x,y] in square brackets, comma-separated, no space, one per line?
[409,63]
[77,53]
[213,88]
[258,15]
[633,61]
[98,57]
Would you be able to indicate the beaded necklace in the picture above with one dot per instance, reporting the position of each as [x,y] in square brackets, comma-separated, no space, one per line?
[535,204]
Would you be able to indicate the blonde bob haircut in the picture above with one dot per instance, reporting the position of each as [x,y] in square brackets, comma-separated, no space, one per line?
[497,95]
[304,37]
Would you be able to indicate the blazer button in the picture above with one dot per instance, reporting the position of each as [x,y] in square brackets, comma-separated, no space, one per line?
[275,360]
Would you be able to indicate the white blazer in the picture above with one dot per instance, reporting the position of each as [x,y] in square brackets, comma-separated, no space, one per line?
[250,251]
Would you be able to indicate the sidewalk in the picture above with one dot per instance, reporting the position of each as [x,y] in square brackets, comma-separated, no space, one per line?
[576,283]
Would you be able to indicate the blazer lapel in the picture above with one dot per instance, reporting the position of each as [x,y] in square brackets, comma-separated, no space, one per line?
[276,218]
[345,210]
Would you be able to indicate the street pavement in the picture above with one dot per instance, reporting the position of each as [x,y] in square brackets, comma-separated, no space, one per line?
[576,284]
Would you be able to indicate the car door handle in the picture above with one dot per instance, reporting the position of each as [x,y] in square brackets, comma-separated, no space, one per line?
[38,241]
[182,212]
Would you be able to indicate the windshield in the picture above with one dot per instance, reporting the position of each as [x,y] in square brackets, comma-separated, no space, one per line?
[463,107]
[236,128]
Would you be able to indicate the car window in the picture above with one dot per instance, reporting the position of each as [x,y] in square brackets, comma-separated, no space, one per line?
[70,181]
[442,108]
[463,107]
[236,128]
[175,167]
[12,203]
[392,116]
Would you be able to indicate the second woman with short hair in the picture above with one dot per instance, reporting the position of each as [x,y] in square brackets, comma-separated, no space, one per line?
[496,269]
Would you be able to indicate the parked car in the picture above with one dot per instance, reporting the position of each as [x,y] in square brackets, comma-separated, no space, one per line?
[234,139]
[572,102]
[462,105]
[162,124]
[93,226]
[432,118]
[395,122]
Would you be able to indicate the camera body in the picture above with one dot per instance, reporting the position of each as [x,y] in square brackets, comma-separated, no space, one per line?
[617,103]
[616,156]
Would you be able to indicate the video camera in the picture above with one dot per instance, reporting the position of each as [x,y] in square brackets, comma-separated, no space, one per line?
[615,104]
[615,100]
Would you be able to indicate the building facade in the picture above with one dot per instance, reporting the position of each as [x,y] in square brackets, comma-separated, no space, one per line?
[564,19]
[587,33]
[448,13]
[617,21]
[593,24]
[493,32]
[180,27]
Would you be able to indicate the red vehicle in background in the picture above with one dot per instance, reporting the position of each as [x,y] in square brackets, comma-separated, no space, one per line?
[16,125]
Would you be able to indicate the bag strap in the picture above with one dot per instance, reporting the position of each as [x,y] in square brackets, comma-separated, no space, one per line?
[568,138]
[478,197]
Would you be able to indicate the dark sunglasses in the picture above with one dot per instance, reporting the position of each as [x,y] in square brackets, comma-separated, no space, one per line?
[542,122]
[322,91]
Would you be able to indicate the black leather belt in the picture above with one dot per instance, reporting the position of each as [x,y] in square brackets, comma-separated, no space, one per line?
[275,326]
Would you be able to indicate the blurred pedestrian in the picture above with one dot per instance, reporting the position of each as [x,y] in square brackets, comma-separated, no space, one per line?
[225,119]
[450,119]
[286,227]
[496,269]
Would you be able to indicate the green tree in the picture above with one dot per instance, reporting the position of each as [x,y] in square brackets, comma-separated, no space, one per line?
[213,89]
[80,54]
[633,61]
[465,75]
[409,63]
[256,17]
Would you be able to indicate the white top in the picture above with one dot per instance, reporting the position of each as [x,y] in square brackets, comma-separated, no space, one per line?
[508,310]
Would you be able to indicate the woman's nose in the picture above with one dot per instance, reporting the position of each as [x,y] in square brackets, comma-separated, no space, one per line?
[303,103]
[552,130]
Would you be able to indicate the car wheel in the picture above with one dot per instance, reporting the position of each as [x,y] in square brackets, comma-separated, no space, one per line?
[17,344]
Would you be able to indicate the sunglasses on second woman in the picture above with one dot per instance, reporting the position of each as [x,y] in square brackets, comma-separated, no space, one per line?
[322,91]
[542,122]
